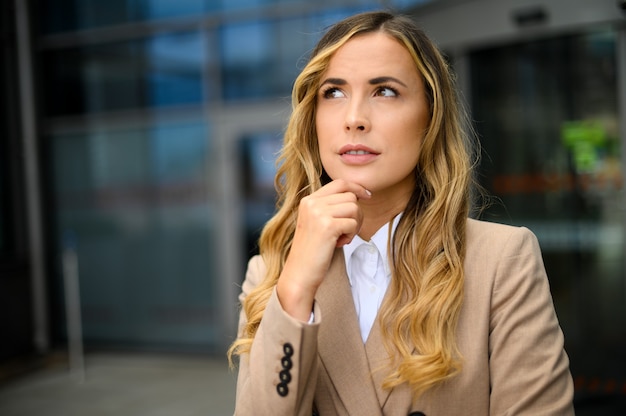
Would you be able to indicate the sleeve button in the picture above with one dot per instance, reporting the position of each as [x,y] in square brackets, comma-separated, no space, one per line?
[288,349]
[285,376]
[286,363]
[282,389]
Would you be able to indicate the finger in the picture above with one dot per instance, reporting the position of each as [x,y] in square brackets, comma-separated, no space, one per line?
[342,205]
[340,186]
[344,240]
[350,228]
[337,199]
[346,210]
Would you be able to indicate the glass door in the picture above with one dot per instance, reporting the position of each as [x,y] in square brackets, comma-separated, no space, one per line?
[138,206]
[546,112]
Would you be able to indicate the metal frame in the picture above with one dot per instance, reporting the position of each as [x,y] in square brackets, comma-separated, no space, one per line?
[31,178]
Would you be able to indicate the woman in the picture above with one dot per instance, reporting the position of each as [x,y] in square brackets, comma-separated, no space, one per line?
[374,293]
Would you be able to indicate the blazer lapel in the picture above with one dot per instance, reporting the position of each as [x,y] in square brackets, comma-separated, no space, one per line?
[379,362]
[340,345]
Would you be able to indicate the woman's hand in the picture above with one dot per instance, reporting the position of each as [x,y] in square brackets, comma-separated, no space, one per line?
[327,219]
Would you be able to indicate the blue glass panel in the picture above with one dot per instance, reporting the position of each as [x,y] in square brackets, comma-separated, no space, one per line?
[257,156]
[71,15]
[402,4]
[249,4]
[157,9]
[161,71]
[262,58]
[176,65]
[248,60]
[139,203]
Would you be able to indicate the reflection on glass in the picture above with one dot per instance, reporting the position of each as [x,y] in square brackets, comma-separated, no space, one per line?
[249,61]
[175,69]
[257,157]
[72,15]
[138,201]
[162,71]
[261,59]
[546,112]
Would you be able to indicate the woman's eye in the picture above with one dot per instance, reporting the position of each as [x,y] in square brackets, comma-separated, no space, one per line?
[386,92]
[333,93]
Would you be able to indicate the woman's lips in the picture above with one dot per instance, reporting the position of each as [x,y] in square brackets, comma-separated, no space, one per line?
[357,154]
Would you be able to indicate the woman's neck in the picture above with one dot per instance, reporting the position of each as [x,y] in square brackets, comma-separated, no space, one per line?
[377,213]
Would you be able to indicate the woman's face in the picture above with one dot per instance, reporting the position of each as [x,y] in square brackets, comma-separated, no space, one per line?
[372,114]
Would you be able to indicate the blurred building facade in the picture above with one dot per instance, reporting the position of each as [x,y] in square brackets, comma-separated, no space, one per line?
[141,134]
[546,85]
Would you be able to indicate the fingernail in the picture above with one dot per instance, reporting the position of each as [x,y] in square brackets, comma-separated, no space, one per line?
[368,192]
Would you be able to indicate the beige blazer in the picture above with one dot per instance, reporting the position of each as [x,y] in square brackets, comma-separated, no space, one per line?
[512,346]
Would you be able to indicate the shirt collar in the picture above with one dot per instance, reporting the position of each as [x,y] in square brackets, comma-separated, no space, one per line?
[379,239]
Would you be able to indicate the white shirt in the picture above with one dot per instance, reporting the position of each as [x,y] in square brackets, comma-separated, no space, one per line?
[369,274]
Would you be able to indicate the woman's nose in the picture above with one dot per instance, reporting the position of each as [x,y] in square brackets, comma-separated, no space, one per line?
[357,117]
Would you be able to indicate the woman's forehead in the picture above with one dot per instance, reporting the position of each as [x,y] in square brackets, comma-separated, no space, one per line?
[375,53]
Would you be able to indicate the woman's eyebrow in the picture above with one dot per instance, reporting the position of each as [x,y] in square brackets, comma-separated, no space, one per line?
[334,81]
[384,80]
[373,81]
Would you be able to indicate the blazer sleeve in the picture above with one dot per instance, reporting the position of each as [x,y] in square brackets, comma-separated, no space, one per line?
[529,369]
[277,377]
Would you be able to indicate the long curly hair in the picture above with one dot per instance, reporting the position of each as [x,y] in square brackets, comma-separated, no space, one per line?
[420,314]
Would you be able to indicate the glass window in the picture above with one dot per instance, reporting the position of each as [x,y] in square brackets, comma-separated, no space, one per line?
[249,61]
[261,59]
[546,112]
[400,4]
[257,158]
[176,64]
[157,9]
[72,15]
[162,71]
[139,203]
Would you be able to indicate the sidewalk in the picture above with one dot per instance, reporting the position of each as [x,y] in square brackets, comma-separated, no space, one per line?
[125,385]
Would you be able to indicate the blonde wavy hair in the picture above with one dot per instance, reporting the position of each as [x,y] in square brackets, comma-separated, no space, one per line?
[419,316]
